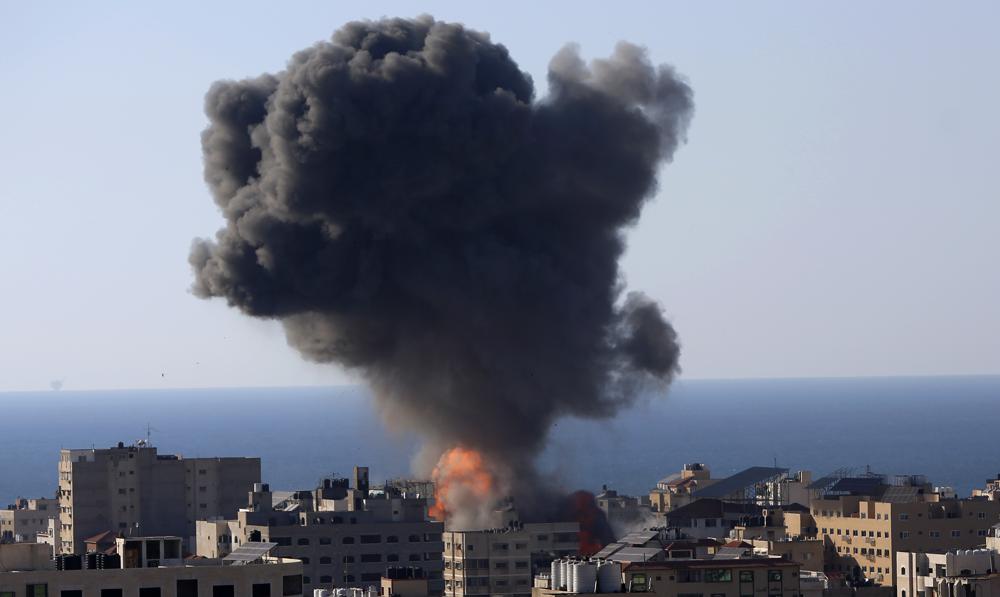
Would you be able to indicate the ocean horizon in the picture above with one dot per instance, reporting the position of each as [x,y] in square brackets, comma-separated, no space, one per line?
[938,426]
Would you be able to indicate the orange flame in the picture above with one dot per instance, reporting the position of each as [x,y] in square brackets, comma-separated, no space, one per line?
[460,473]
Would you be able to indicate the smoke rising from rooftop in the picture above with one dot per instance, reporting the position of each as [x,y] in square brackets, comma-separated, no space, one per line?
[402,202]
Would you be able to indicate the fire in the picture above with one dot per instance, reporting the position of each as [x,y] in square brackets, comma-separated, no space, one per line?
[460,475]
[595,532]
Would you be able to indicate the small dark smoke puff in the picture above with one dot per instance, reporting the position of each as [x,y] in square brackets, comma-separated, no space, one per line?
[402,203]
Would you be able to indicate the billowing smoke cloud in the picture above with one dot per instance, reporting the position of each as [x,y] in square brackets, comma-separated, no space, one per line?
[405,205]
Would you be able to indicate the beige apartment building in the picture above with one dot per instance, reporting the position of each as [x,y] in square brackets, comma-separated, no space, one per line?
[503,561]
[27,570]
[136,491]
[677,489]
[346,537]
[25,519]
[955,573]
[863,533]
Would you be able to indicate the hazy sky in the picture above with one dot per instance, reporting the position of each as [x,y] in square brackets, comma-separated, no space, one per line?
[835,212]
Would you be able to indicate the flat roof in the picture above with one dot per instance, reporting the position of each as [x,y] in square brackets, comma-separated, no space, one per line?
[740,481]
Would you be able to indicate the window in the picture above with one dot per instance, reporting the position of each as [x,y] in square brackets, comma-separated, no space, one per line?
[71,593]
[904,534]
[718,575]
[104,593]
[223,591]
[324,540]
[348,559]
[325,560]
[326,579]
[982,515]
[934,534]
[392,539]
[414,557]
[282,541]
[303,541]
[371,557]
[904,516]
[500,566]
[689,576]
[291,584]
[187,588]
[261,590]
[347,540]
[348,578]
[746,575]
[774,576]
[902,571]
[305,560]
[371,576]
[371,538]
[149,592]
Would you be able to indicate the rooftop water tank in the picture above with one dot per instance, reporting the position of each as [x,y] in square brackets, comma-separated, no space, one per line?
[609,577]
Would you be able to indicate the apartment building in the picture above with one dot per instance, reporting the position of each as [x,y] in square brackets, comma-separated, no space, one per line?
[865,522]
[23,520]
[955,573]
[733,576]
[990,491]
[503,561]
[346,537]
[623,510]
[27,570]
[135,490]
[677,489]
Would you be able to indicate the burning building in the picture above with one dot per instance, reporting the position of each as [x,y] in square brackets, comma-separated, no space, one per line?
[404,204]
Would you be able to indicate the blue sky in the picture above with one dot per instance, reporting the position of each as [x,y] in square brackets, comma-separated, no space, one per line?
[835,212]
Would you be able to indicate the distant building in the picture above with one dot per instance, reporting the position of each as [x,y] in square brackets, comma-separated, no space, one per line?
[955,573]
[990,491]
[136,491]
[23,520]
[28,569]
[503,561]
[808,553]
[623,510]
[677,489]
[729,574]
[865,521]
[715,518]
[346,537]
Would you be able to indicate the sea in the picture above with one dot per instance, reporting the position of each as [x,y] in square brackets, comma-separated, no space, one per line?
[947,428]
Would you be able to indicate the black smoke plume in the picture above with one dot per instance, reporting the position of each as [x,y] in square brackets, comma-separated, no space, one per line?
[402,202]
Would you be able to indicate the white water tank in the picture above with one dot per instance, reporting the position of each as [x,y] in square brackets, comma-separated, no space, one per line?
[609,577]
[321,593]
[564,575]
[586,580]
[555,576]
[572,577]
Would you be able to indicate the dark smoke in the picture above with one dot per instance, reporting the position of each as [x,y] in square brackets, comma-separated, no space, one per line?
[402,202]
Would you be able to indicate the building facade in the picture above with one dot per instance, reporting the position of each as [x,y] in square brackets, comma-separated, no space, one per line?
[862,534]
[345,537]
[27,570]
[503,561]
[134,490]
[712,577]
[25,519]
